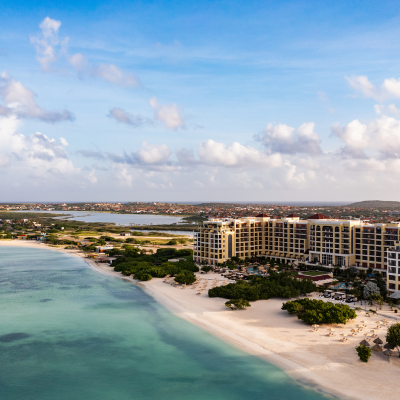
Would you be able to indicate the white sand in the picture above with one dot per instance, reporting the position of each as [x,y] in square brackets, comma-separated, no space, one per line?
[268,332]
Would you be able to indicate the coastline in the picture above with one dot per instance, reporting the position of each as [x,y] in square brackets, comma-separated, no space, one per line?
[263,330]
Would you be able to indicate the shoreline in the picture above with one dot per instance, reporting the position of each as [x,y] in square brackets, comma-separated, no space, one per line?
[263,330]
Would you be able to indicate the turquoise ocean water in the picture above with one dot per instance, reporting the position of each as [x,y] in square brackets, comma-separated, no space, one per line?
[68,332]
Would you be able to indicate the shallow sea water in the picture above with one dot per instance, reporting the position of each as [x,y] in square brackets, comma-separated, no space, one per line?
[68,332]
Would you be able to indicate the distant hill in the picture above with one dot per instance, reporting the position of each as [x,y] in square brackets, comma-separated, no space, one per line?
[375,204]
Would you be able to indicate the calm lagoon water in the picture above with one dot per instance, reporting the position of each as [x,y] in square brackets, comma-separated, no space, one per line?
[68,332]
[119,219]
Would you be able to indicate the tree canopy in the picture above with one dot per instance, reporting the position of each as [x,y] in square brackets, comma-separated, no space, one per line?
[263,288]
[370,289]
[393,336]
[319,311]
[131,261]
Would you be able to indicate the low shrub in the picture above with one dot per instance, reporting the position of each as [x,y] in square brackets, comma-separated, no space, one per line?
[239,304]
[364,352]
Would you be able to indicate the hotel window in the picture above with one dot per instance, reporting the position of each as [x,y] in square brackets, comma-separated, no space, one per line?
[327,259]
[392,270]
[393,286]
[392,277]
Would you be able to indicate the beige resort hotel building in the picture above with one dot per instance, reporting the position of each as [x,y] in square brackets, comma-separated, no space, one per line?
[319,240]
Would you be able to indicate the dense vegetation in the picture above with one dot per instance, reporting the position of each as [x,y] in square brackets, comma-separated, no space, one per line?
[263,288]
[130,261]
[319,312]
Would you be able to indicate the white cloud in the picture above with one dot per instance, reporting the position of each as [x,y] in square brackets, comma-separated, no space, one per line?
[390,109]
[123,116]
[170,115]
[390,88]
[50,48]
[91,177]
[38,154]
[153,154]
[284,139]
[20,102]
[79,62]
[150,156]
[111,73]
[235,155]
[4,160]
[381,135]
[47,42]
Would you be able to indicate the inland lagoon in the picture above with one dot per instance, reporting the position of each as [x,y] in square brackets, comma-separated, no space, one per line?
[69,332]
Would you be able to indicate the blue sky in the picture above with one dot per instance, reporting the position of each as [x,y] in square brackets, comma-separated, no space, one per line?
[197,101]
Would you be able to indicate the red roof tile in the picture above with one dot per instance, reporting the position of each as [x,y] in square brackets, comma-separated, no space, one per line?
[318,216]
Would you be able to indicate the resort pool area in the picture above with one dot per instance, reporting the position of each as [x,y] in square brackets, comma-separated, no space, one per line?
[341,285]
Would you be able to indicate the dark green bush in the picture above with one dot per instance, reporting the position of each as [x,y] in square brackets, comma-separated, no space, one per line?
[187,277]
[131,261]
[319,312]
[364,352]
[262,288]
[239,304]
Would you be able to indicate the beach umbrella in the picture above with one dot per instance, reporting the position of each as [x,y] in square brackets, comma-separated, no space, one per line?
[315,326]
[364,343]
[387,346]
[388,353]
[378,341]
[376,348]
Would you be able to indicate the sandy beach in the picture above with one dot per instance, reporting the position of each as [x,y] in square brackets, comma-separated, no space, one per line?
[266,331]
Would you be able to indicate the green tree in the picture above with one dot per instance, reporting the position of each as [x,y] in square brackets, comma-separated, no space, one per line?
[393,336]
[319,312]
[206,268]
[364,352]
[238,304]
[370,289]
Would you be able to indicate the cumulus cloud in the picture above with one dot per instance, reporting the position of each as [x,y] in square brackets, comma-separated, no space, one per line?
[285,139]
[37,153]
[355,137]
[125,117]
[20,102]
[390,88]
[47,43]
[150,155]
[169,115]
[235,155]
[381,135]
